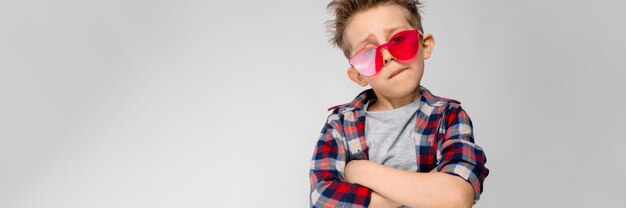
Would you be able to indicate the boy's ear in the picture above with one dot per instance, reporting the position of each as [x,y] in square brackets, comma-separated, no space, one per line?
[428,43]
[356,77]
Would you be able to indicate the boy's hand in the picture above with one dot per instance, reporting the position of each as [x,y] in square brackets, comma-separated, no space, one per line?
[355,173]
[354,170]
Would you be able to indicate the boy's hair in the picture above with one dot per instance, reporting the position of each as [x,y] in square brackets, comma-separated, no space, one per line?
[344,10]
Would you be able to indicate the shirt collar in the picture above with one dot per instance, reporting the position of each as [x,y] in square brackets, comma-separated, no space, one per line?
[360,100]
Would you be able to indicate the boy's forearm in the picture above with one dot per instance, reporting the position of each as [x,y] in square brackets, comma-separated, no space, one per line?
[414,189]
[380,201]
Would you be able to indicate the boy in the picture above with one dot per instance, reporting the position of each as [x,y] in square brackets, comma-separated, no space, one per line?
[415,149]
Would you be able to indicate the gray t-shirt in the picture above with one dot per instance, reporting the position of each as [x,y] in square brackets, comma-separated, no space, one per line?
[389,135]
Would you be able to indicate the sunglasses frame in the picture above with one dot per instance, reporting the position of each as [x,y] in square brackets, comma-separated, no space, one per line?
[370,70]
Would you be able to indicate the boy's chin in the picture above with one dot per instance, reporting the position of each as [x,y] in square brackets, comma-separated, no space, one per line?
[399,90]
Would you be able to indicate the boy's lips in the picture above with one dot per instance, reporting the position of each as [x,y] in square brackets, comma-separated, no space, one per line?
[396,72]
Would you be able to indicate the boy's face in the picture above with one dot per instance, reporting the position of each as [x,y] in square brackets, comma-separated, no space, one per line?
[374,27]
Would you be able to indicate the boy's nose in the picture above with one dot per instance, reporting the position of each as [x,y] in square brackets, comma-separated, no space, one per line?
[387,57]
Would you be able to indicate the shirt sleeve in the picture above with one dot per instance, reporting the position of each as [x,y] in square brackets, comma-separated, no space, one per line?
[460,156]
[328,188]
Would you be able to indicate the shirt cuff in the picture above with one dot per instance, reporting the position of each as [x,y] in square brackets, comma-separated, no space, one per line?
[464,170]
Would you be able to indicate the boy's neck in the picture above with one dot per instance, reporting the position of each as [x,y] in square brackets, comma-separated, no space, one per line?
[383,103]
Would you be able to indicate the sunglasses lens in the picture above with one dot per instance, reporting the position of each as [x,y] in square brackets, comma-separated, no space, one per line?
[365,62]
[404,45]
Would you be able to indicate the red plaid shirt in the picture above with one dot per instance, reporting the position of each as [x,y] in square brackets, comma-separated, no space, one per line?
[443,136]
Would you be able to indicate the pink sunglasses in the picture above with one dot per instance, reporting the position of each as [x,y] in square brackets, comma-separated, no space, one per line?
[403,46]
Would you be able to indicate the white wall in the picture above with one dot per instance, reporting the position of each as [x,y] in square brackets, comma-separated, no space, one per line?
[219,103]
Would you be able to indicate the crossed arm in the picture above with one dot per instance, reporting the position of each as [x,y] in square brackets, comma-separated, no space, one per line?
[393,187]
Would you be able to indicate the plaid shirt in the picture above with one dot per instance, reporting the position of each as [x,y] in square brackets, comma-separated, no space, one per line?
[447,146]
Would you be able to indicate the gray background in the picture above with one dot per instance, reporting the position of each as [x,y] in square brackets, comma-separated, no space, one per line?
[219,104]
